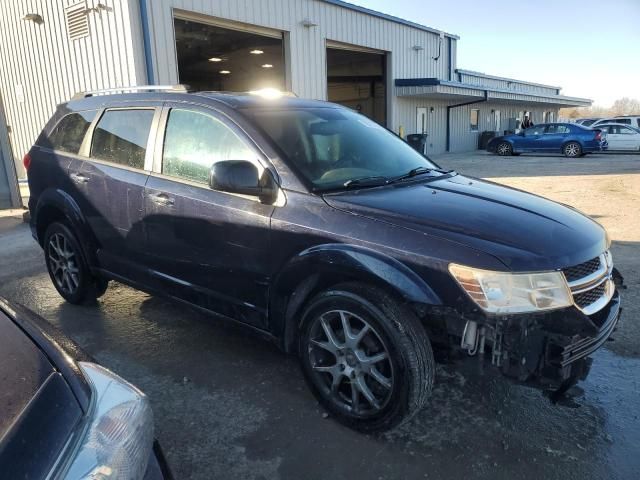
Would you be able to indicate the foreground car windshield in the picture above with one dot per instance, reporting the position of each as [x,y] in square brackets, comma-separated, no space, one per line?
[333,148]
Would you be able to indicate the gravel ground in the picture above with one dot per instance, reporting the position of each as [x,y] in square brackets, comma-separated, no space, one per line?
[228,405]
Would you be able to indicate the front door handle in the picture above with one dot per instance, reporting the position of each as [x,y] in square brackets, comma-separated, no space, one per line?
[79,178]
[161,199]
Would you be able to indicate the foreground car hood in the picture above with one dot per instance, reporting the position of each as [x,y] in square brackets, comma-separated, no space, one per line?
[524,231]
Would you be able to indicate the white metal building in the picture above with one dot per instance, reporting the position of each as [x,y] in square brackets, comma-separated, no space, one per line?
[402,74]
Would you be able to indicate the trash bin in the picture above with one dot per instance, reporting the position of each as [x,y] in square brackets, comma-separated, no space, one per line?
[483,139]
[418,141]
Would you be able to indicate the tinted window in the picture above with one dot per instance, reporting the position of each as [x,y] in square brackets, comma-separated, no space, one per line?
[194,141]
[538,130]
[121,137]
[557,129]
[626,121]
[330,146]
[67,136]
[586,123]
[474,117]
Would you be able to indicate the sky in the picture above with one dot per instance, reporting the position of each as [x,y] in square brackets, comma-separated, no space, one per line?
[590,48]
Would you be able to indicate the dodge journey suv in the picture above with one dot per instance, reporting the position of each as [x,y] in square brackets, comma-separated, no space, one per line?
[326,233]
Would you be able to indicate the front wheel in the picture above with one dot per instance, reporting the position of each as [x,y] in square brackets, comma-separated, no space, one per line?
[366,357]
[504,149]
[68,268]
[572,150]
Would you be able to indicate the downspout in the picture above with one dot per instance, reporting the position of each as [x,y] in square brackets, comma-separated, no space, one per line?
[449,107]
[146,39]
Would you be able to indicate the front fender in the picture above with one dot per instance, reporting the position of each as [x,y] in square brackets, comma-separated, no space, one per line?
[331,263]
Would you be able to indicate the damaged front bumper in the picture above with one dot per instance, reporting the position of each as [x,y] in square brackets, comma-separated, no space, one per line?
[545,350]
[542,353]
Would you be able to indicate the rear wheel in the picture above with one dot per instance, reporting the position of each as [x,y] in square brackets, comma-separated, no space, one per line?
[572,150]
[367,359]
[504,149]
[67,266]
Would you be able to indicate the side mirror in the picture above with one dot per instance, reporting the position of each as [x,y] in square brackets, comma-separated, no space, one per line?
[242,177]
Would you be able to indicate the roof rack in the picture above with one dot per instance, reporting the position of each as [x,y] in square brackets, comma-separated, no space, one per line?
[138,88]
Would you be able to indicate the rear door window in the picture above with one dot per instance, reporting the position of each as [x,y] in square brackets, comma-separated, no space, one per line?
[68,134]
[121,137]
[194,141]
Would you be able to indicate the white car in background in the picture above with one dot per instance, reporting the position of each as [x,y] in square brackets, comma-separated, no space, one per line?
[632,120]
[621,136]
[586,122]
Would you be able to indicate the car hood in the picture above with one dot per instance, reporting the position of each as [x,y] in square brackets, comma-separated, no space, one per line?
[524,231]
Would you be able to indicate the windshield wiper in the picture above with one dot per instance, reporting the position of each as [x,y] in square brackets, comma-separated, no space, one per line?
[373,181]
[412,173]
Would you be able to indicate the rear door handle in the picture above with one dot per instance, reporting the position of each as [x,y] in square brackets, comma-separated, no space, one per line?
[161,199]
[79,178]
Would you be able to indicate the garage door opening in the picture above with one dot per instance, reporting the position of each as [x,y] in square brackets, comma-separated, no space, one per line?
[357,80]
[216,58]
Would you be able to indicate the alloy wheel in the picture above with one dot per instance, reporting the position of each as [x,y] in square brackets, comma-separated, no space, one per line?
[350,362]
[572,150]
[504,149]
[63,263]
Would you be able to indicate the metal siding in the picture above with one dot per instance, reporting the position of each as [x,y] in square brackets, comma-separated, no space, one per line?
[307,45]
[515,85]
[52,68]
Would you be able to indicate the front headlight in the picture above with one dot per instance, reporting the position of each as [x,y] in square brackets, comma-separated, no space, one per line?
[504,292]
[119,436]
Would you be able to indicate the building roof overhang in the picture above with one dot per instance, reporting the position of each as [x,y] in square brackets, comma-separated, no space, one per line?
[457,91]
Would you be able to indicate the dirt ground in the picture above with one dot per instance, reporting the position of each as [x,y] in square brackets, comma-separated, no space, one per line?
[228,405]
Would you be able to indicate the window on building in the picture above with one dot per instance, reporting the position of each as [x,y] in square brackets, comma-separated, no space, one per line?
[121,137]
[195,141]
[474,119]
[69,133]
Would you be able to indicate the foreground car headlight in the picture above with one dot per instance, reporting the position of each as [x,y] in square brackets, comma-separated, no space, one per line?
[117,441]
[504,292]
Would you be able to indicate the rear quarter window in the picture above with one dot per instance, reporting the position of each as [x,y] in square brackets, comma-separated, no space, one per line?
[68,134]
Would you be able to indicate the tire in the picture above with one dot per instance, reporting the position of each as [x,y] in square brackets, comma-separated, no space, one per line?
[572,150]
[378,377]
[68,268]
[504,149]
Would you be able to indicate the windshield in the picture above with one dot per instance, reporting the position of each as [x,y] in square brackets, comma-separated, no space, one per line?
[334,147]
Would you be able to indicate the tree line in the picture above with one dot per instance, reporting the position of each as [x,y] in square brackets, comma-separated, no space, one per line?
[622,106]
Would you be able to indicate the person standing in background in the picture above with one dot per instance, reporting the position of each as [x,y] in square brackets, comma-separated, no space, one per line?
[526,123]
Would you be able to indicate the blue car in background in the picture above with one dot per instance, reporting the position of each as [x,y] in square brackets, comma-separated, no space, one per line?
[570,139]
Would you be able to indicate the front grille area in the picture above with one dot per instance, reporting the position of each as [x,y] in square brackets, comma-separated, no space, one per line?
[591,284]
[580,271]
[589,297]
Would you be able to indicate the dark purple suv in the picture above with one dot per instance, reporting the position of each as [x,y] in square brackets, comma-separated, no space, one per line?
[323,231]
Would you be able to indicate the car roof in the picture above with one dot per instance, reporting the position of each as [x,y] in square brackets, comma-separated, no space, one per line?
[608,124]
[234,100]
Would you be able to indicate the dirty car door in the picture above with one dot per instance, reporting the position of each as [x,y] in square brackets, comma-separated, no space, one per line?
[208,247]
[112,181]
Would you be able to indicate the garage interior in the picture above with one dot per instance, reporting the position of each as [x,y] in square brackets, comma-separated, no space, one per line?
[211,57]
[357,79]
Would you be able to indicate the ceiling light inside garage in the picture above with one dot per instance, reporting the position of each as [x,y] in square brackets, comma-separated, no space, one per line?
[225,72]
[215,59]
[267,65]
[256,52]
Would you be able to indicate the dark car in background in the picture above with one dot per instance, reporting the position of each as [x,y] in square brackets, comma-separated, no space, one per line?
[325,233]
[62,416]
[569,139]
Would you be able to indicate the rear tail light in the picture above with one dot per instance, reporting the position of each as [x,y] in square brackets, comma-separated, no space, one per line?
[26,161]
[598,135]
